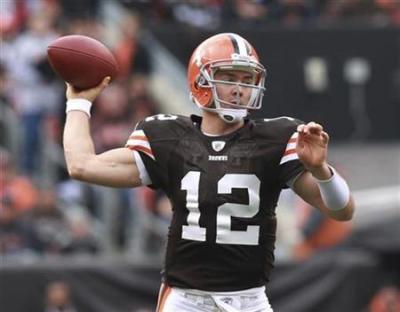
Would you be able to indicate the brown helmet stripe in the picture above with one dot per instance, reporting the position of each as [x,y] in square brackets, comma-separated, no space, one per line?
[234,44]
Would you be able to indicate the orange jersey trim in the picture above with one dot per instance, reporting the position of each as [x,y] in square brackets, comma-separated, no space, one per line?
[289,151]
[143,149]
[139,137]
[162,298]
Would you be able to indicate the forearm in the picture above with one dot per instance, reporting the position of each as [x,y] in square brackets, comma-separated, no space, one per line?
[78,144]
[116,167]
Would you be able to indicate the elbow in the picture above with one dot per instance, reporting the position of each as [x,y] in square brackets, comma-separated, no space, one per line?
[75,167]
[76,171]
[346,214]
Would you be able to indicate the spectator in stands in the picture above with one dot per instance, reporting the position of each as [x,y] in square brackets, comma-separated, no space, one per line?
[163,207]
[112,120]
[132,56]
[58,298]
[140,99]
[12,16]
[294,12]
[18,189]
[4,106]
[80,9]
[75,201]
[318,232]
[348,9]
[116,112]
[3,85]
[17,237]
[26,64]
[386,299]
[158,206]
[200,14]
[50,224]
[389,10]
[86,26]
[247,12]
[82,240]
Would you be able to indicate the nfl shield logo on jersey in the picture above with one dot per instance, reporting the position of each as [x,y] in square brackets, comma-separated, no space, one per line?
[218,145]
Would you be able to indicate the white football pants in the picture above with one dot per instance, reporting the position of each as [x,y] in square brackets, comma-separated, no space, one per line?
[172,299]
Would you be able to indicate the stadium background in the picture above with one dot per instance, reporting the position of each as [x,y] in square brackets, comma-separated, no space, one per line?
[335,62]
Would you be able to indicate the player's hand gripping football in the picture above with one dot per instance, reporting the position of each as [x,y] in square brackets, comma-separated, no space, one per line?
[89,94]
[312,147]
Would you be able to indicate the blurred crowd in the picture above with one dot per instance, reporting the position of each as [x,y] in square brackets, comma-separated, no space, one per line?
[210,14]
[43,212]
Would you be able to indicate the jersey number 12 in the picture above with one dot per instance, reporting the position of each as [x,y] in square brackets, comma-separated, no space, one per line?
[193,231]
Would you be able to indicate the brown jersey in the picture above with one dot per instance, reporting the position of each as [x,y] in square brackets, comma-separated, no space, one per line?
[223,191]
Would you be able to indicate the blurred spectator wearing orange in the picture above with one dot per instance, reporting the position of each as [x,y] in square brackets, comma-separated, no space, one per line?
[19,189]
[386,299]
[390,9]
[131,54]
[17,237]
[318,232]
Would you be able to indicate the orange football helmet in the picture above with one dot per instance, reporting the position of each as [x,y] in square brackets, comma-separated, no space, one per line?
[226,51]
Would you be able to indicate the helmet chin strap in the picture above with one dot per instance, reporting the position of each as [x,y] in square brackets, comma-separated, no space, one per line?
[232,115]
[228,115]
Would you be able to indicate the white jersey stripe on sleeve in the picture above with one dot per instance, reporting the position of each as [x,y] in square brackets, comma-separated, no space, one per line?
[289,157]
[143,174]
[290,151]
[139,142]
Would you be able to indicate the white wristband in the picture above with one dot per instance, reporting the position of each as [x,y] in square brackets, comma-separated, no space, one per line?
[82,105]
[335,192]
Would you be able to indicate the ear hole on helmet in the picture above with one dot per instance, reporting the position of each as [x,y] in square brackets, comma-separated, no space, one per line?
[201,81]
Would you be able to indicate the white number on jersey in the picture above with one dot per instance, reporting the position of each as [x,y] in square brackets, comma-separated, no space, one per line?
[192,231]
[161,117]
[225,235]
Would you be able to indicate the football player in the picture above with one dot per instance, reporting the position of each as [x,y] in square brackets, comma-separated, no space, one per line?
[223,173]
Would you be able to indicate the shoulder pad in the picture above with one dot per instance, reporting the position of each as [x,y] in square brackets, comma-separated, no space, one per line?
[280,128]
[164,126]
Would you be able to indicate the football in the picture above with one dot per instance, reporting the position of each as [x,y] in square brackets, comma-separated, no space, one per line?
[81,61]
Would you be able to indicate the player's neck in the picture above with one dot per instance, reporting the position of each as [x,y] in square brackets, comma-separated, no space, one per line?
[212,124]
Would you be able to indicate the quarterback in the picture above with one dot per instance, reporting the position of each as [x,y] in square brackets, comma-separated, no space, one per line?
[223,173]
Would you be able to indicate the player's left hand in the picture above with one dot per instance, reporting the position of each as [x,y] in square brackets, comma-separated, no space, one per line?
[312,146]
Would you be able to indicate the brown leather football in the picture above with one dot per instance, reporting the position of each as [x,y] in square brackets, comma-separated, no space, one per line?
[81,61]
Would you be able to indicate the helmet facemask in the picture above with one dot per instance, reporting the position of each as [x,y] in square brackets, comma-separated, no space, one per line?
[234,110]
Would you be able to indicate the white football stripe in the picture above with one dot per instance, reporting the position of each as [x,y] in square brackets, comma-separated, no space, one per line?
[289,158]
[138,132]
[291,146]
[134,142]
[241,45]
[143,174]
